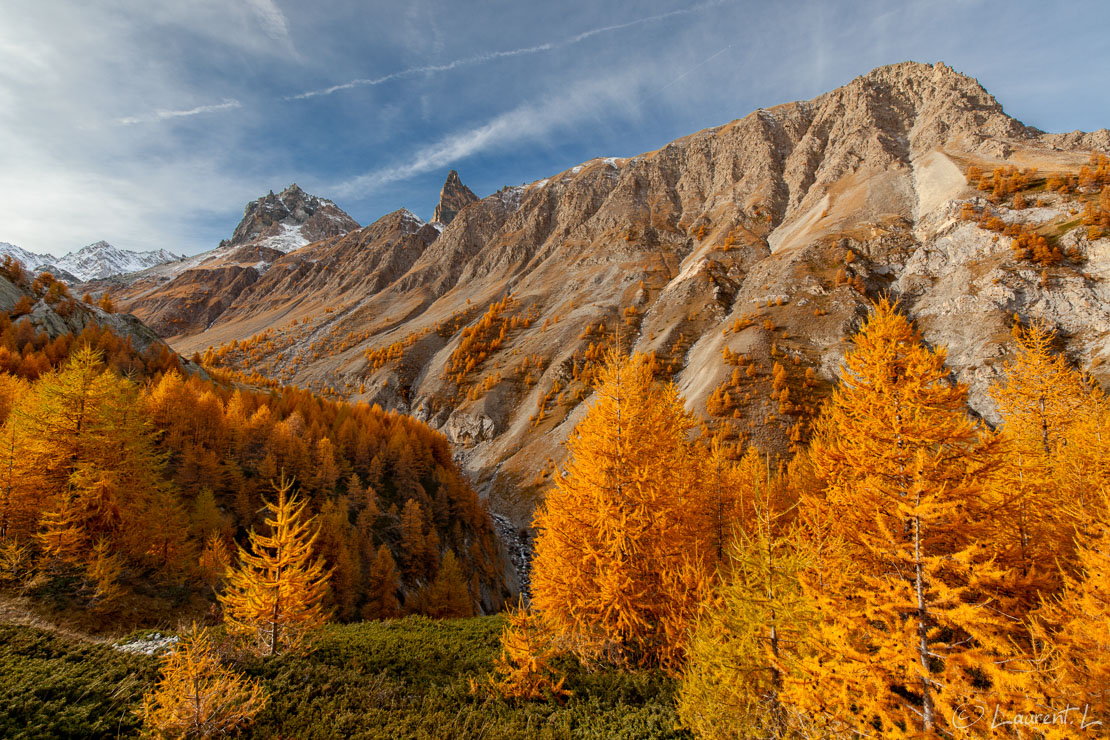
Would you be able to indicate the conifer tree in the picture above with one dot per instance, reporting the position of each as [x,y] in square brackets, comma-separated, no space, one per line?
[103,572]
[624,549]
[18,508]
[381,587]
[1082,463]
[274,596]
[1039,397]
[89,453]
[196,696]
[908,633]
[523,670]
[214,561]
[446,597]
[752,632]
[1039,393]
[1074,627]
[417,553]
[338,547]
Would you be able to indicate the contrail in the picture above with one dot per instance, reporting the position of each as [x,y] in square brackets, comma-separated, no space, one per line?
[697,66]
[493,55]
[162,115]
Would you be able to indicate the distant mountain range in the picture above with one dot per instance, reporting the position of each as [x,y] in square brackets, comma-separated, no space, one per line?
[94,262]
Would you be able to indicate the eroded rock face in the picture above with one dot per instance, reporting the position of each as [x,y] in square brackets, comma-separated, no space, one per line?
[765,237]
[76,318]
[452,198]
[291,216]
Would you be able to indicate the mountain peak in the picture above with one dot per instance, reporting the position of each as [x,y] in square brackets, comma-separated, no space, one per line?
[290,219]
[452,198]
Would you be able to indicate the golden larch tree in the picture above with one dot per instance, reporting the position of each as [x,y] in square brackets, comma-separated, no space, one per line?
[908,632]
[1039,397]
[447,596]
[524,669]
[87,450]
[1074,627]
[274,597]
[383,581]
[755,626]
[625,547]
[197,696]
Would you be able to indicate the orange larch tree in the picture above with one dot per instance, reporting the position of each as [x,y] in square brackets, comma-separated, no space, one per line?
[383,581]
[274,597]
[908,633]
[1038,396]
[753,629]
[625,546]
[1074,627]
[197,696]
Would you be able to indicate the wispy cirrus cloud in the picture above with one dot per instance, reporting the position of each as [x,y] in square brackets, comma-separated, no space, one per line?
[164,115]
[273,21]
[490,56]
[528,122]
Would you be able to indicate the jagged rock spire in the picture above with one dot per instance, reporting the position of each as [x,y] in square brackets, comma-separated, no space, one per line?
[452,198]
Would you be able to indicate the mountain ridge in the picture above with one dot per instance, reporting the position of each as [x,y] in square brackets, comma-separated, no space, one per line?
[764,238]
[189,295]
[95,261]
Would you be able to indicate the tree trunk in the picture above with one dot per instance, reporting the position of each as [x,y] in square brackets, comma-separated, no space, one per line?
[922,628]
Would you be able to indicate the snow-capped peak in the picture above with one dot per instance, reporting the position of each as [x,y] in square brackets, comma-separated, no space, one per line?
[100,260]
[93,262]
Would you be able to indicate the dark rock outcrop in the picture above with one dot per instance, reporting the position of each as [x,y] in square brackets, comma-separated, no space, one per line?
[452,198]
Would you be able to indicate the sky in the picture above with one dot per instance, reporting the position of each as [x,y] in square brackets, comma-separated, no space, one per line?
[151,124]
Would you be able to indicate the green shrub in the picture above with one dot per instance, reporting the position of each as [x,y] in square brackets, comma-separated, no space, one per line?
[401,679]
[53,687]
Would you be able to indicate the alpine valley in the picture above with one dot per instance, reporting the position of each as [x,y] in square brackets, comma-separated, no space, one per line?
[762,239]
[792,427]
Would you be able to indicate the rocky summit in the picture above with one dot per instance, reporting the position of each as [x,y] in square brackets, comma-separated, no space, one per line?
[289,220]
[452,198]
[741,256]
[189,295]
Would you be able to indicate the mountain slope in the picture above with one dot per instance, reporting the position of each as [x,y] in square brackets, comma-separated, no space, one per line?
[187,296]
[742,256]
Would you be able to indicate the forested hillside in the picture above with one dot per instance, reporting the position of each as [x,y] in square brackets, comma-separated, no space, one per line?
[125,484]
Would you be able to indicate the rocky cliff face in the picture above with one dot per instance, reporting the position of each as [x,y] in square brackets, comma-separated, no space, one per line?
[753,244]
[452,198]
[76,317]
[289,220]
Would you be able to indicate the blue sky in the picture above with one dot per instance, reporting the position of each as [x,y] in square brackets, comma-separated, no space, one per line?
[150,124]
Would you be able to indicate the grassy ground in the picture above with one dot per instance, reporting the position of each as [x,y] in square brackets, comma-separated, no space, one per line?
[401,679]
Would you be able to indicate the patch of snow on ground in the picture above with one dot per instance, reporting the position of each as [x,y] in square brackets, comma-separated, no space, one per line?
[511,196]
[410,222]
[611,161]
[288,240]
[576,169]
[541,183]
[153,644]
